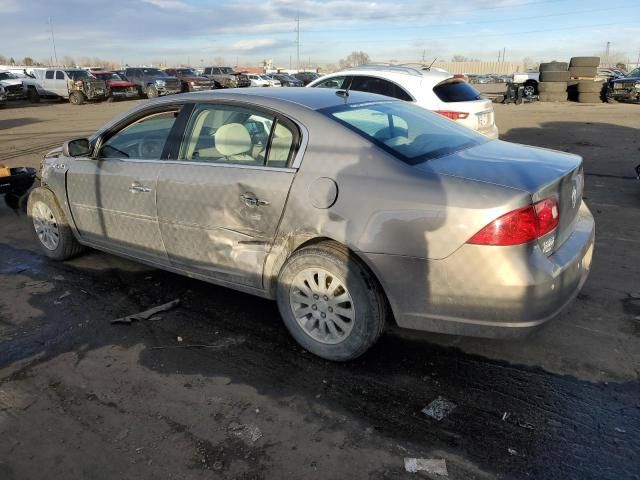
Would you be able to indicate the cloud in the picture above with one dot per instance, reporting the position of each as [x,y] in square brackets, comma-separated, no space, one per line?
[248,45]
[170,5]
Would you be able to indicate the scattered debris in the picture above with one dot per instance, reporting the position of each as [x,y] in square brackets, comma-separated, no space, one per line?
[439,408]
[147,314]
[526,425]
[635,295]
[505,416]
[620,430]
[64,295]
[249,433]
[514,453]
[58,278]
[224,343]
[179,339]
[122,435]
[437,466]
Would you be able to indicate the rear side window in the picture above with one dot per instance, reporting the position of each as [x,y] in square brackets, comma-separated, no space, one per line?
[333,82]
[49,75]
[59,76]
[408,132]
[456,91]
[379,86]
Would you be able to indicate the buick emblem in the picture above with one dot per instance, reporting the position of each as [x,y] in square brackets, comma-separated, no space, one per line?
[574,196]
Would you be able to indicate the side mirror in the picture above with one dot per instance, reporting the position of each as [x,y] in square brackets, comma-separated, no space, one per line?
[76,148]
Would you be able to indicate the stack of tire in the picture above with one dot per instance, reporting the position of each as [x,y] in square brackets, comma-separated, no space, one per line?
[583,86]
[552,86]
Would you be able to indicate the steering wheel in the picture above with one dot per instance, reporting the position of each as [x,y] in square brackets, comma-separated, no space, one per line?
[150,147]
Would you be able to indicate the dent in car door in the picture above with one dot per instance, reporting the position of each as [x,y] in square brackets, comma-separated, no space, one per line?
[220,219]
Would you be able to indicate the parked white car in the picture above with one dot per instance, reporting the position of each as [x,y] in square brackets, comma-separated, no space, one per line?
[433,89]
[257,80]
[273,82]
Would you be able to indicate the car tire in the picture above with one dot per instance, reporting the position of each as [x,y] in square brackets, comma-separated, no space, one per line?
[50,226]
[152,92]
[553,67]
[334,336]
[553,97]
[584,62]
[531,88]
[549,87]
[76,98]
[554,76]
[611,100]
[587,72]
[32,95]
[588,86]
[589,98]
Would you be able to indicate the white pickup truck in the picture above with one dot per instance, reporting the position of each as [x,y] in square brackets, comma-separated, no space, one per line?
[529,80]
[12,85]
[74,84]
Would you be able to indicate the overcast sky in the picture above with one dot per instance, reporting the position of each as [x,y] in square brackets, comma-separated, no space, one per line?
[248,31]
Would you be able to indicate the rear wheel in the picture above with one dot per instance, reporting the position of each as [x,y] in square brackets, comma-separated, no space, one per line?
[530,89]
[51,227]
[330,302]
[76,98]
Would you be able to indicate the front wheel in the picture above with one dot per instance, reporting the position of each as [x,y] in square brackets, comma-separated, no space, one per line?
[152,92]
[76,98]
[33,96]
[330,302]
[50,226]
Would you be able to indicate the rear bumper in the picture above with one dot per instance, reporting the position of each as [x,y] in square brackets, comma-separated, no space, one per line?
[491,133]
[495,292]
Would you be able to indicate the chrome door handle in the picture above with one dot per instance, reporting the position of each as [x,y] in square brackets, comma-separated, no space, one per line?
[252,201]
[136,187]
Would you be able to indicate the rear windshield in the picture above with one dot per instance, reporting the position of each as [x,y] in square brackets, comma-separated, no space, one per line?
[410,133]
[456,91]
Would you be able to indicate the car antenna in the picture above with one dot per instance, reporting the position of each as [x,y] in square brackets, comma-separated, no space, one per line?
[344,93]
[431,64]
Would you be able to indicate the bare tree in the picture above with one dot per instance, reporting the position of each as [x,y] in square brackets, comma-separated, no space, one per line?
[459,58]
[354,59]
[68,61]
[12,61]
[218,61]
[3,59]
[28,61]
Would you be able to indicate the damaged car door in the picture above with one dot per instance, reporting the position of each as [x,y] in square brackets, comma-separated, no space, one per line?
[112,195]
[220,202]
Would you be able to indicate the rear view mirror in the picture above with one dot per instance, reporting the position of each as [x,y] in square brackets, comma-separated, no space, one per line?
[76,148]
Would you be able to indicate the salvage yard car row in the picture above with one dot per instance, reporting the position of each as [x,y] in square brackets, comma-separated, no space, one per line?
[80,85]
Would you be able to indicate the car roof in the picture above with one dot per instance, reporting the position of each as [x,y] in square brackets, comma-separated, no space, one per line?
[397,73]
[311,98]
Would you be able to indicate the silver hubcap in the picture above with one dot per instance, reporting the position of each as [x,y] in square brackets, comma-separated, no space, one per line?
[46,225]
[322,305]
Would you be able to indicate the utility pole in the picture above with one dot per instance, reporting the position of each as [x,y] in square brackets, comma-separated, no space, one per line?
[424,54]
[606,52]
[53,41]
[638,61]
[498,56]
[503,51]
[298,42]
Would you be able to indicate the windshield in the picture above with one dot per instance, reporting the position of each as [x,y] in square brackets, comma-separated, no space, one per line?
[227,70]
[410,133]
[154,72]
[108,76]
[7,76]
[634,73]
[187,71]
[78,74]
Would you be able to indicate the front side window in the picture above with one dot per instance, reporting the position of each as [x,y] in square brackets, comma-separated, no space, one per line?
[236,135]
[410,133]
[333,82]
[59,76]
[144,139]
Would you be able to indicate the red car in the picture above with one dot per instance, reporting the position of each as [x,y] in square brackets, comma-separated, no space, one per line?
[117,86]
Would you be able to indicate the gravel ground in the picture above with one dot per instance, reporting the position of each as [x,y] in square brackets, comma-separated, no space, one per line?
[82,398]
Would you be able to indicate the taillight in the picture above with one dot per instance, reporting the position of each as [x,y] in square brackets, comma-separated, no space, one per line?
[453,115]
[521,225]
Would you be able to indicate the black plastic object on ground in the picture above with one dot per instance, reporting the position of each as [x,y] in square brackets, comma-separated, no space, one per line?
[19,182]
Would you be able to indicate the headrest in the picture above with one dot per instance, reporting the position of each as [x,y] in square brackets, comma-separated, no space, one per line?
[233,139]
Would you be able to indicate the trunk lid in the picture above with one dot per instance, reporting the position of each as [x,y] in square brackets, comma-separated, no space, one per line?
[540,172]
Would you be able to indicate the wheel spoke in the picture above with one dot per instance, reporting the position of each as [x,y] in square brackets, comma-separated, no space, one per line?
[344,312]
[342,298]
[340,323]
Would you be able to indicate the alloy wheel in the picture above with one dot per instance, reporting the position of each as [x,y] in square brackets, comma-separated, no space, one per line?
[322,305]
[46,225]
